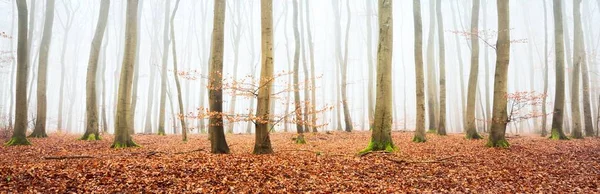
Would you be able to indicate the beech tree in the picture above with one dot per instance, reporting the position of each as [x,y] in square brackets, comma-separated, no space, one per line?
[218,143]
[344,72]
[297,103]
[163,71]
[42,79]
[559,54]
[441,129]
[578,60]
[499,114]
[432,99]
[18,136]
[471,128]
[176,75]
[262,142]
[381,138]
[91,106]
[122,124]
[420,85]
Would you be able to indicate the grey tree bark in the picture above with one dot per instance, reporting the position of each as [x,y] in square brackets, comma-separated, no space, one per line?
[546,72]
[381,138]
[122,124]
[441,130]
[344,69]
[420,80]
[432,99]
[136,73]
[313,89]
[163,73]
[559,54]
[578,60]
[297,104]
[181,115]
[236,35]
[499,114]
[472,87]
[18,136]
[262,144]
[371,77]
[42,79]
[218,143]
[582,57]
[91,106]
[461,71]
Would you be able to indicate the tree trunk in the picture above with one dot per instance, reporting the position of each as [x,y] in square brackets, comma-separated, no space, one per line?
[371,77]
[91,129]
[218,143]
[163,73]
[579,58]
[420,85]
[486,65]
[440,21]
[472,87]
[463,100]
[381,138]
[431,75]
[567,118]
[344,68]
[236,35]
[122,124]
[313,89]
[136,73]
[181,115]
[338,55]
[18,136]
[297,104]
[262,144]
[499,114]
[42,79]
[546,72]
[559,54]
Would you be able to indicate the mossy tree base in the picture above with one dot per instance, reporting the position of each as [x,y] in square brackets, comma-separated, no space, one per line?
[14,141]
[432,131]
[90,137]
[162,133]
[379,146]
[38,134]
[558,135]
[300,139]
[498,144]
[129,143]
[419,139]
[473,136]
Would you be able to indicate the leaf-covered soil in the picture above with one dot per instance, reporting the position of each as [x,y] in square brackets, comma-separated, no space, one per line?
[327,163]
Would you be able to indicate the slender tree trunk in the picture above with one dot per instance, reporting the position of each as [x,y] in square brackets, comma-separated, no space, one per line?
[313,89]
[290,62]
[91,129]
[486,63]
[236,35]
[499,114]
[546,72]
[163,73]
[136,73]
[42,79]
[262,144]
[472,88]
[463,99]
[32,58]
[431,75]
[344,68]
[218,143]
[581,55]
[338,55]
[371,77]
[440,21]
[559,99]
[122,124]
[18,136]
[420,85]
[297,104]
[181,115]
[579,58]
[103,57]
[252,66]
[13,70]
[381,138]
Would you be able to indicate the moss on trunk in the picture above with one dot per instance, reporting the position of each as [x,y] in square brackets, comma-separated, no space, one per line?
[473,135]
[502,143]
[90,137]
[379,146]
[558,135]
[128,143]
[17,141]
[432,131]
[300,139]
[419,139]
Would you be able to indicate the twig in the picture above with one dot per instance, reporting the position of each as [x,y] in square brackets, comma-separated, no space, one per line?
[197,150]
[372,152]
[404,161]
[66,157]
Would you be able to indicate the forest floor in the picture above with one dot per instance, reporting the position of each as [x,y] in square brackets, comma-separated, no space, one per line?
[327,163]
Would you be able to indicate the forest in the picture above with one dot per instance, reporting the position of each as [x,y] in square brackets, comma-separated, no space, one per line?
[299,96]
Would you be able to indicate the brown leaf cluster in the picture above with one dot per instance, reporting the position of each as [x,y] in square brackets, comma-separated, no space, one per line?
[327,163]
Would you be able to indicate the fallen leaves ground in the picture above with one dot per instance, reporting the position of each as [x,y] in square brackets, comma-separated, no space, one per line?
[327,163]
